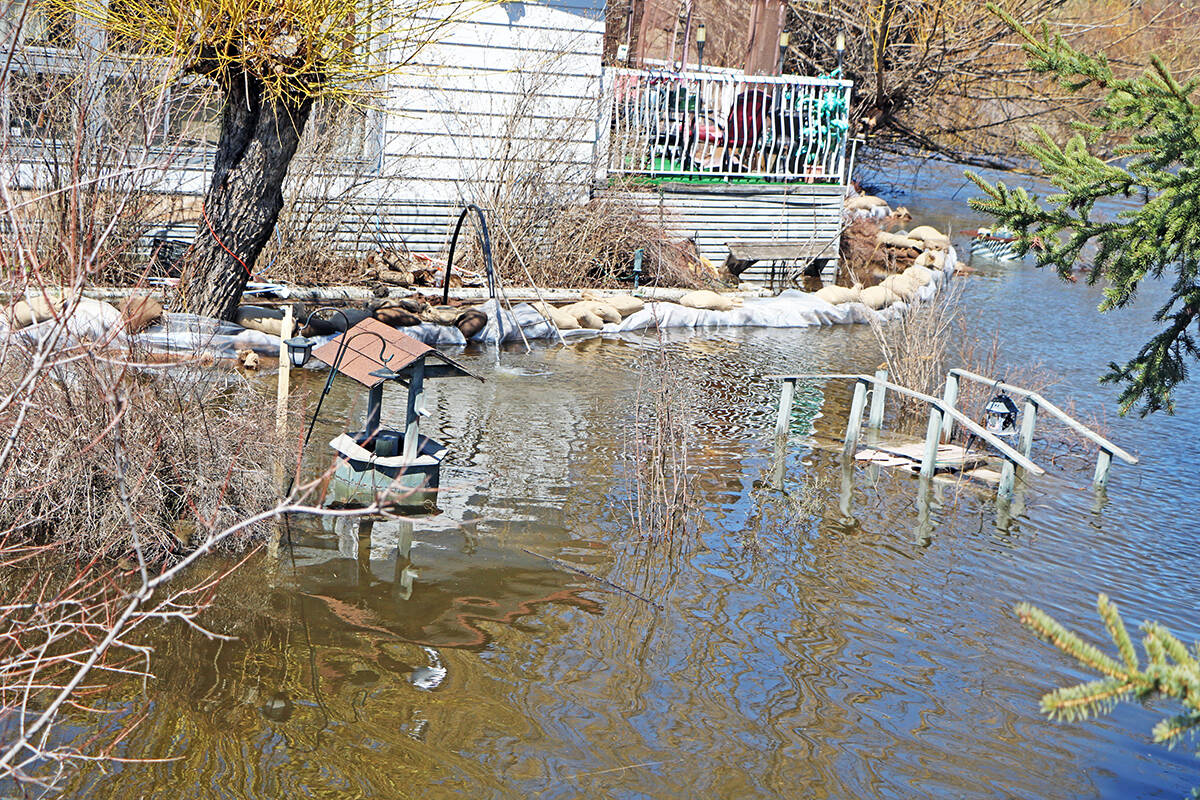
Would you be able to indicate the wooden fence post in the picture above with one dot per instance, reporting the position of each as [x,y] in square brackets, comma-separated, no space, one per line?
[878,393]
[854,425]
[949,397]
[932,440]
[1103,462]
[1008,481]
[285,364]
[787,395]
[1028,420]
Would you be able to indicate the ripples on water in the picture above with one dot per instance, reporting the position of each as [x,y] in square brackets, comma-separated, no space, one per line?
[796,655]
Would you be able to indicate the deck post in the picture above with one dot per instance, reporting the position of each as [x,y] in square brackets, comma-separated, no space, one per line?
[878,394]
[854,425]
[1008,481]
[932,440]
[416,404]
[787,395]
[950,397]
[1028,420]
[1103,462]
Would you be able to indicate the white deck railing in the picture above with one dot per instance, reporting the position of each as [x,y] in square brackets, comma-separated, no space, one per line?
[709,124]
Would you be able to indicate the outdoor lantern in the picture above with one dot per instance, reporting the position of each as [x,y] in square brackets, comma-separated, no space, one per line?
[701,38]
[299,349]
[1000,415]
[840,46]
[784,39]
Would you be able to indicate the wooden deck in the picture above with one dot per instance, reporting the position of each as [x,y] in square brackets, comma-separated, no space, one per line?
[950,459]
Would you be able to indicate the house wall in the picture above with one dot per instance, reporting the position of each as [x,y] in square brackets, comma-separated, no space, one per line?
[507,98]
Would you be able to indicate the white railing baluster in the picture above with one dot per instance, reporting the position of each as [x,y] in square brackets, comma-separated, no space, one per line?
[721,123]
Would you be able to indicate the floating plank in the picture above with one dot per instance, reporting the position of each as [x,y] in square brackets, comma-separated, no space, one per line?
[909,456]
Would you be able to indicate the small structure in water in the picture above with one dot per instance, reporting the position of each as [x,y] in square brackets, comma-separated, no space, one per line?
[997,244]
[400,468]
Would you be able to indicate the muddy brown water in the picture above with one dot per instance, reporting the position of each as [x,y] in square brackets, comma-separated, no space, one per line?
[795,654]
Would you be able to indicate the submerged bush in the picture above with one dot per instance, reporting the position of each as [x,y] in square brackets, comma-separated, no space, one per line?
[105,451]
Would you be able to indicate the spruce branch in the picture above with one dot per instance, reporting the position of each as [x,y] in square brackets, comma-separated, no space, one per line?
[1156,120]
[1171,671]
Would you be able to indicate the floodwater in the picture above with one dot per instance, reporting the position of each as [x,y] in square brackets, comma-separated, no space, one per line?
[786,649]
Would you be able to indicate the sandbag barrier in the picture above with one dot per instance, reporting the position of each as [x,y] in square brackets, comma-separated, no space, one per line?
[187,334]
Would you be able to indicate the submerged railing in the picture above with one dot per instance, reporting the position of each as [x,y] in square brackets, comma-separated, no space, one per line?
[725,125]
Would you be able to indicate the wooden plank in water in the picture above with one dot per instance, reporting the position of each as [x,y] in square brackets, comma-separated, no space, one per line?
[908,456]
[948,455]
[881,458]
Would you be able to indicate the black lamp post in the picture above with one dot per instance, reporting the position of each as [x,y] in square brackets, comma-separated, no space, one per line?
[840,46]
[701,37]
[300,346]
[785,38]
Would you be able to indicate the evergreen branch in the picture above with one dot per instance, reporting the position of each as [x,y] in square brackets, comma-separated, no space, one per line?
[1052,631]
[1171,671]
[1074,703]
[1116,629]
[1158,124]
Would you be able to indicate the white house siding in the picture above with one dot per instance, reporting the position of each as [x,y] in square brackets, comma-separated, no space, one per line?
[715,215]
[508,94]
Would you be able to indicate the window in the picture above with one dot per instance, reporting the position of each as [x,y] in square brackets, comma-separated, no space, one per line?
[40,105]
[44,27]
[337,130]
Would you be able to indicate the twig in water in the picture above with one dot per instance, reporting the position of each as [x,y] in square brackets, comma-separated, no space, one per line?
[596,578]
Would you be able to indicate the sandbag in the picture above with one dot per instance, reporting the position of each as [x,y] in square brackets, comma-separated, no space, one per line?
[836,295]
[707,300]
[587,319]
[471,322]
[258,318]
[413,305]
[878,297]
[442,315]
[559,318]
[22,314]
[902,285]
[933,259]
[139,312]
[396,317]
[932,237]
[625,304]
[921,275]
[864,202]
[885,239]
[602,310]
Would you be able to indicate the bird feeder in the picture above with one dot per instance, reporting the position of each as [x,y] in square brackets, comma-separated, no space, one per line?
[400,468]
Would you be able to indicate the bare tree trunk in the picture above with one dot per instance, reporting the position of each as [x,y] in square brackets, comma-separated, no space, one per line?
[259,136]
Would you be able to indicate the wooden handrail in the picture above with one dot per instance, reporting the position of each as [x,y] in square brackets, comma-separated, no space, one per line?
[1007,452]
[1045,405]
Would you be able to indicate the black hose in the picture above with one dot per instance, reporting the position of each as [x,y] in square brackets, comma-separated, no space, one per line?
[482,230]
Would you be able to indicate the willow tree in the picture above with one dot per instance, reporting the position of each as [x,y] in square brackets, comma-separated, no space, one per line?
[272,61]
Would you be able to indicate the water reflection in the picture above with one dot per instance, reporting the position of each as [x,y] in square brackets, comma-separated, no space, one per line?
[832,631]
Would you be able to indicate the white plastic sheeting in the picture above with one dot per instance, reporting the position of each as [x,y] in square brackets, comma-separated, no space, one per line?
[789,309]
[184,334]
[188,333]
